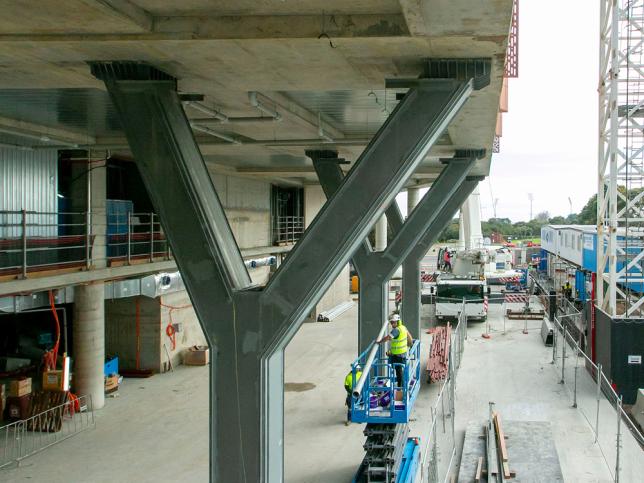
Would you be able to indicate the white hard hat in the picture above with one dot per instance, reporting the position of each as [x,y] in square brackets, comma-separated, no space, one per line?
[394,318]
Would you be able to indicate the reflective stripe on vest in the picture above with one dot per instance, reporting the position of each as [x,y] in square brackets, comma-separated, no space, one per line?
[347,380]
[399,344]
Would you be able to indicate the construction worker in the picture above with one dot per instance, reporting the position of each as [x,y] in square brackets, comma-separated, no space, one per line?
[400,339]
[568,290]
[349,383]
[447,260]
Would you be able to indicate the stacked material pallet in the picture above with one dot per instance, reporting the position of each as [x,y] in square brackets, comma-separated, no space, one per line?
[438,364]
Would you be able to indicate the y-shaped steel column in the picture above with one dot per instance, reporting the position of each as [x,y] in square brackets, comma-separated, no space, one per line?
[376,268]
[411,265]
[249,327]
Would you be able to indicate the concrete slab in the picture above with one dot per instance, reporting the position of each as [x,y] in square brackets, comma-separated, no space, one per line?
[531,451]
[156,429]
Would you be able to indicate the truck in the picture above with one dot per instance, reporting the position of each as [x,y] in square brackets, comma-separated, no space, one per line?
[450,292]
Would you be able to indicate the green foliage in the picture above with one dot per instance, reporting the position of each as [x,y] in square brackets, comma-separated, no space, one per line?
[588,214]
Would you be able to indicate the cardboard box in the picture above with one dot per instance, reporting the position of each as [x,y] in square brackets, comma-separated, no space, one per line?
[53,381]
[20,387]
[112,383]
[18,407]
[197,355]
[398,395]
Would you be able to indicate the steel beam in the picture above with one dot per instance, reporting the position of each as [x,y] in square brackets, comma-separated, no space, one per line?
[371,185]
[248,327]
[376,268]
[411,286]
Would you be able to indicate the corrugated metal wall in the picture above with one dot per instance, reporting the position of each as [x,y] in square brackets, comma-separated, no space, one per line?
[28,181]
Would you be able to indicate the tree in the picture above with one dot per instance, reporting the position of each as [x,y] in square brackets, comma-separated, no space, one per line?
[588,214]
[450,232]
[544,216]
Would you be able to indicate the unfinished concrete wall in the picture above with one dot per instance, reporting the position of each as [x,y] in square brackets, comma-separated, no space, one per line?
[247,204]
[154,317]
[338,292]
[176,308]
[120,332]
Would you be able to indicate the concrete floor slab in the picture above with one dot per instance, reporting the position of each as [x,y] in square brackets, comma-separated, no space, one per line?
[156,429]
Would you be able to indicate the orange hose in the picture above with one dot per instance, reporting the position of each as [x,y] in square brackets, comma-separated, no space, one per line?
[50,358]
[169,330]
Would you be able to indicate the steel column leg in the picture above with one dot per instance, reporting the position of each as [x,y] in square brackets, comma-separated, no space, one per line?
[376,268]
[372,306]
[248,329]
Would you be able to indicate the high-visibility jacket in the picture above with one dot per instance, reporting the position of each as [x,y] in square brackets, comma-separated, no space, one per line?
[348,380]
[399,344]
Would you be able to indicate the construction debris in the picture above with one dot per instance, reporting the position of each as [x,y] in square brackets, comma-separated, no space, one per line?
[438,363]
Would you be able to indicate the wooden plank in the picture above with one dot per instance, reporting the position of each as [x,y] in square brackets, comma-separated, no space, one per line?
[500,437]
[479,470]
[500,440]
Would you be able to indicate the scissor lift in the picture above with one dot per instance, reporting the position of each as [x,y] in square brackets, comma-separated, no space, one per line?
[391,456]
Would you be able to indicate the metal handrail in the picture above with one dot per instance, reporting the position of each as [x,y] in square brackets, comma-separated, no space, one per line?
[40,240]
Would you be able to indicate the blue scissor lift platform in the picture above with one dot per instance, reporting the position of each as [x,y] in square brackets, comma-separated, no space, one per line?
[391,455]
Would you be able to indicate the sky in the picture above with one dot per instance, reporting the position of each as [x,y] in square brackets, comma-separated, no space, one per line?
[549,143]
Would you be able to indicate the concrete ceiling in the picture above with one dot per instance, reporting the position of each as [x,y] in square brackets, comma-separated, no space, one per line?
[313,61]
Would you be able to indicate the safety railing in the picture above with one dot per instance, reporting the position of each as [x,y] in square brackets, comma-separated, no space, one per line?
[591,393]
[21,439]
[33,241]
[440,452]
[288,229]
[136,236]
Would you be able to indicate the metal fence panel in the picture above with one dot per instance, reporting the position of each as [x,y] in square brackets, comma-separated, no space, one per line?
[21,439]
[591,393]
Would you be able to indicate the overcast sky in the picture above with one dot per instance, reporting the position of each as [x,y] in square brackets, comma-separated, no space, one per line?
[549,143]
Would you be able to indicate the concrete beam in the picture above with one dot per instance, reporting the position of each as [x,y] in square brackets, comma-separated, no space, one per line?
[304,170]
[414,18]
[126,10]
[251,27]
[39,131]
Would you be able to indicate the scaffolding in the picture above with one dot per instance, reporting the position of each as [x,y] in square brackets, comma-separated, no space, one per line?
[620,196]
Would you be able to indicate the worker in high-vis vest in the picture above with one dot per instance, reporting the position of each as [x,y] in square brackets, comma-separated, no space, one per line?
[349,383]
[401,340]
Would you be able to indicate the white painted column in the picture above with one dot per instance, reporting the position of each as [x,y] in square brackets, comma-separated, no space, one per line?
[461,230]
[413,197]
[470,234]
[381,233]
[476,234]
[89,342]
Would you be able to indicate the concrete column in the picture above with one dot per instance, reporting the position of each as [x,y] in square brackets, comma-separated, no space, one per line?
[461,229]
[413,197]
[98,219]
[89,342]
[411,278]
[470,235]
[381,233]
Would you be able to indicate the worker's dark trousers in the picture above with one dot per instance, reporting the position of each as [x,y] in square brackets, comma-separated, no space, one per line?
[398,359]
[348,402]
